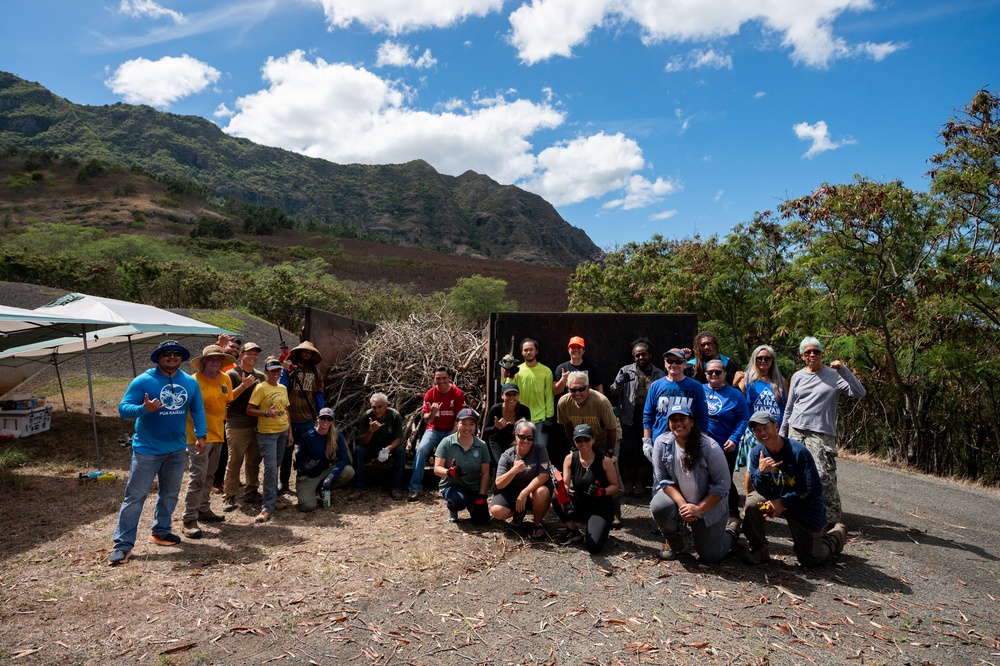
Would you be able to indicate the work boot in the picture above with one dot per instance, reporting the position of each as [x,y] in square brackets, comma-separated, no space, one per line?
[839,534]
[757,554]
[734,524]
[672,549]
[191,529]
[210,517]
[229,504]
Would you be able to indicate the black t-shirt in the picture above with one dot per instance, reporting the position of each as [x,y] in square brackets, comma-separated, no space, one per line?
[593,374]
[583,477]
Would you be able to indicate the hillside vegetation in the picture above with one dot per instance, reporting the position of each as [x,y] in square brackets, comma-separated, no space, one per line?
[408,204]
[903,285]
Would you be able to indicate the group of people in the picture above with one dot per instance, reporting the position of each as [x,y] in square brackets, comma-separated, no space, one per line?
[689,426]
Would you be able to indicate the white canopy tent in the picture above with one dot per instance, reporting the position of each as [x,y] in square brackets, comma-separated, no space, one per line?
[123,323]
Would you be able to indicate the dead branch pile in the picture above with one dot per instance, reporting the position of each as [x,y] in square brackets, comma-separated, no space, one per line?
[398,359]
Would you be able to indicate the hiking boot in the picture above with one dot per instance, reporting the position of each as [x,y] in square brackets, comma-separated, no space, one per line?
[734,524]
[252,497]
[452,516]
[672,549]
[262,517]
[191,529]
[119,556]
[413,497]
[758,554]
[396,494]
[839,533]
[210,517]
[280,503]
[570,536]
[165,539]
[229,504]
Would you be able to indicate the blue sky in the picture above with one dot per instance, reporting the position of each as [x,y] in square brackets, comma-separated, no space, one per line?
[633,117]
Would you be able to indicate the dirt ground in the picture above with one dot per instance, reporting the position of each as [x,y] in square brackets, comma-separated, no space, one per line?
[389,582]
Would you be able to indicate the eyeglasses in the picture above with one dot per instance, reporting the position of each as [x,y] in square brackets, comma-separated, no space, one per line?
[168,354]
[526,438]
[674,361]
[763,359]
[577,389]
[812,352]
[712,373]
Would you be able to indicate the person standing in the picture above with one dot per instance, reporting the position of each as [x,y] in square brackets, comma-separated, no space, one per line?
[706,348]
[630,388]
[811,415]
[269,403]
[576,363]
[727,419]
[301,378]
[160,400]
[664,393]
[380,437]
[216,393]
[534,380]
[441,404]
[231,346]
[241,433]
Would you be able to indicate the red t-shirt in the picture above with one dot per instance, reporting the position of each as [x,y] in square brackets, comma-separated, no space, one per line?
[452,403]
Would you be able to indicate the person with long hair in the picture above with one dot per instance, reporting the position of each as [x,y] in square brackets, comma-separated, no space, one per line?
[706,348]
[692,485]
[498,424]
[590,474]
[462,462]
[321,459]
[765,389]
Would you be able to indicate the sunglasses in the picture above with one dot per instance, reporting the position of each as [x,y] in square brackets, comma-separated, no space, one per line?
[584,440]
[674,361]
[325,418]
[526,438]
[577,389]
[168,354]
[812,352]
[763,359]
[712,373]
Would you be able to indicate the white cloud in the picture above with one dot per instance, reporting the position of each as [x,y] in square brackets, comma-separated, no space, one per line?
[394,54]
[640,192]
[223,111]
[584,168]
[161,82]
[148,8]
[698,59]
[665,215]
[819,135]
[399,16]
[547,28]
[759,94]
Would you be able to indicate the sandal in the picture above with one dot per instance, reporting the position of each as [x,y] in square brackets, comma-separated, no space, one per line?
[538,533]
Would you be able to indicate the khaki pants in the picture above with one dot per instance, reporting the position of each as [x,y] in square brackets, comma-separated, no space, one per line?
[201,470]
[243,452]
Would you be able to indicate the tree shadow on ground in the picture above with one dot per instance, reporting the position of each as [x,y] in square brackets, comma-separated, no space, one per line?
[879,529]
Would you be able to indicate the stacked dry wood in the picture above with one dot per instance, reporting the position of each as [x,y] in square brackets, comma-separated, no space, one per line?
[398,359]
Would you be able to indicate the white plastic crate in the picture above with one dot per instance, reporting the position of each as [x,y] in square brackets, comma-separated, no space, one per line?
[27,421]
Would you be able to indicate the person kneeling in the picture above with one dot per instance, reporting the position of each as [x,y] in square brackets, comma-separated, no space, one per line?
[321,460]
[692,482]
[462,461]
[786,483]
[522,478]
[591,476]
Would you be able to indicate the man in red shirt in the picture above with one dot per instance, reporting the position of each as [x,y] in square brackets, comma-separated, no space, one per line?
[441,405]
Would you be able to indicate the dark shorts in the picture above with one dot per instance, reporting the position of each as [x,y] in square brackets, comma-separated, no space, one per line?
[507,497]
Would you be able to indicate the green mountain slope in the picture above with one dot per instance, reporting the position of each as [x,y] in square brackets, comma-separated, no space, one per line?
[411,204]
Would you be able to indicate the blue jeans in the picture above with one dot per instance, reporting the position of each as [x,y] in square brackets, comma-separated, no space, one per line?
[458,498]
[272,447]
[425,449]
[362,454]
[168,470]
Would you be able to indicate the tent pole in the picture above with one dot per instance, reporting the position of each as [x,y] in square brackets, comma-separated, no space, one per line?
[131,357]
[59,379]
[93,411]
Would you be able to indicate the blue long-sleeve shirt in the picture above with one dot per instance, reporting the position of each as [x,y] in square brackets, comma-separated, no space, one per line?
[310,458]
[795,482]
[728,413]
[663,394]
[165,430]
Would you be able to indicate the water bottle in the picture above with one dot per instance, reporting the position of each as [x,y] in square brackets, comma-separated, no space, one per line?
[326,499]
[108,476]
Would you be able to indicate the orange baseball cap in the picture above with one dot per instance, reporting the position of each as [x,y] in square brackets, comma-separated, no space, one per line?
[577,341]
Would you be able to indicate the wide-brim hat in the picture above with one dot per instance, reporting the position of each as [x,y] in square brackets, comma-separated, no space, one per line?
[169,345]
[294,354]
[212,350]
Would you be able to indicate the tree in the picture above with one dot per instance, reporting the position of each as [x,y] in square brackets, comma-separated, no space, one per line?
[474,298]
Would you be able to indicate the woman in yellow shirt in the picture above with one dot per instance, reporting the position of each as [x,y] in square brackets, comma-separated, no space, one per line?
[269,403]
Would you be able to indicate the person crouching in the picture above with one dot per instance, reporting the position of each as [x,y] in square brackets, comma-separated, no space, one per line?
[462,461]
[320,461]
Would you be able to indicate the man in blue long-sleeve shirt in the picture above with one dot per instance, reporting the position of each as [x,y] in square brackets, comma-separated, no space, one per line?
[787,484]
[160,400]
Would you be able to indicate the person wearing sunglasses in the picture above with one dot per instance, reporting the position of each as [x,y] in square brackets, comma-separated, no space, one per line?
[629,390]
[522,481]
[675,388]
[321,459]
[160,400]
[765,389]
[498,424]
[811,415]
[727,420]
